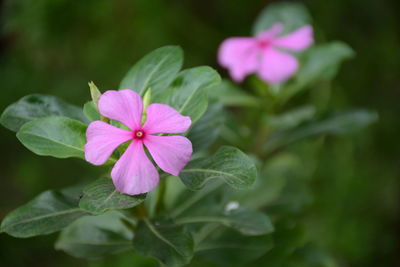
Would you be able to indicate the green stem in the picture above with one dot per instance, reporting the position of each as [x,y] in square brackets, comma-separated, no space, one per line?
[160,205]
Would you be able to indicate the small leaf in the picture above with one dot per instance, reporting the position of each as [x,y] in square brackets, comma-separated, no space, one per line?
[229,164]
[244,220]
[291,118]
[229,94]
[59,137]
[91,112]
[94,237]
[36,106]
[101,196]
[47,213]
[189,92]
[156,70]
[291,15]
[171,244]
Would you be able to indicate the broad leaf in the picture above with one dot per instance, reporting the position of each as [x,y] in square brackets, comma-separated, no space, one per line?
[59,137]
[101,196]
[189,91]
[171,244]
[156,70]
[91,112]
[228,164]
[230,94]
[338,124]
[96,236]
[246,221]
[207,129]
[291,15]
[291,118]
[36,106]
[47,213]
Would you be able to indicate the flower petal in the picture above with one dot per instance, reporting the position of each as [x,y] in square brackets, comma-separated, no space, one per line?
[298,40]
[271,33]
[124,106]
[134,173]
[102,140]
[239,55]
[171,153]
[277,66]
[164,119]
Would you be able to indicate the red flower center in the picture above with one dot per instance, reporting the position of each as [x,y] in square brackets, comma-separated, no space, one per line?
[263,44]
[138,134]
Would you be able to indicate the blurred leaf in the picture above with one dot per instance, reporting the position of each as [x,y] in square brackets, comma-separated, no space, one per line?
[47,213]
[291,15]
[189,91]
[207,129]
[229,248]
[96,236]
[171,244]
[101,196]
[244,220]
[337,124]
[229,94]
[59,137]
[319,63]
[91,112]
[36,106]
[291,118]
[156,70]
[229,164]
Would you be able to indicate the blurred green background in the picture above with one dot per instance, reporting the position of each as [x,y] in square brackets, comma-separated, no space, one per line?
[57,46]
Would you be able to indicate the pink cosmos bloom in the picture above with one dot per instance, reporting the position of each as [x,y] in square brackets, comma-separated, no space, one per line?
[134,173]
[265,54]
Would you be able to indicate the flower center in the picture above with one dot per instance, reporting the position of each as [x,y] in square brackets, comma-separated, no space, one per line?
[138,134]
[263,44]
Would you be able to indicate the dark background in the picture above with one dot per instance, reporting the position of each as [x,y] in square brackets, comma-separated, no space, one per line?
[57,46]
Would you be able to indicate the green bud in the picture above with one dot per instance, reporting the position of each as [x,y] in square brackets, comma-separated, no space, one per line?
[146,103]
[94,92]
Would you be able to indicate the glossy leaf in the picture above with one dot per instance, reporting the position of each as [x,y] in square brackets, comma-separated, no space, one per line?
[101,196]
[244,220]
[189,91]
[291,15]
[91,112]
[36,106]
[59,137]
[156,70]
[96,236]
[228,164]
[49,212]
[171,244]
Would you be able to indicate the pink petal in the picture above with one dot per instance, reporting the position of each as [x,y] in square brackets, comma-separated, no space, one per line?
[124,106]
[102,140]
[271,32]
[298,40]
[171,153]
[239,55]
[164,119]
[134,173]
[277,66]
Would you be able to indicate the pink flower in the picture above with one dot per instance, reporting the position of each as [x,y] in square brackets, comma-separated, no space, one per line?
[134,173]
[265,54]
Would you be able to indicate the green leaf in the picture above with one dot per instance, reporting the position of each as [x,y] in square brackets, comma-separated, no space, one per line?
[36,106]
[228,164]
[291,15]
[94,237]
[101,196]
[156,70]
[47,213]
[246,221]
[207,129]
[229,248]
[337,124]
[229,94]
[59,137]
[189,91]
[171,244]
[91,112]
[291,118]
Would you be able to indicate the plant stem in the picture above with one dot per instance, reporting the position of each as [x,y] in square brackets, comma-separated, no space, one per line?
[160,205]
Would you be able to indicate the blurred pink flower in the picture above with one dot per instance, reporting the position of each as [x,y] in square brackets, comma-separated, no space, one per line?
[265,54]
[134,173]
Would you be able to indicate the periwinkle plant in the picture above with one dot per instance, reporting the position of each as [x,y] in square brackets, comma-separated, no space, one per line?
[208,207]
